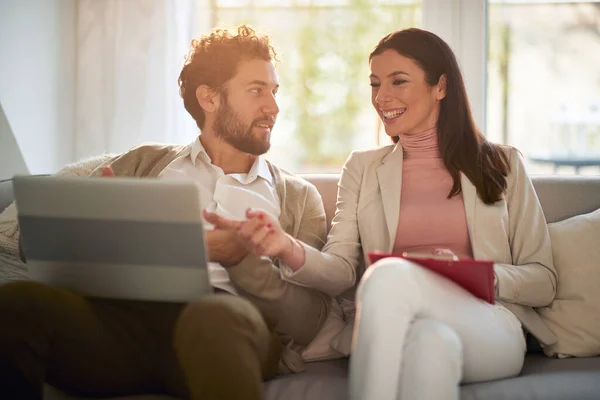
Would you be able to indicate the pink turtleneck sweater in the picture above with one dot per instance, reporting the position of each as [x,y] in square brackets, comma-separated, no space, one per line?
[428,219]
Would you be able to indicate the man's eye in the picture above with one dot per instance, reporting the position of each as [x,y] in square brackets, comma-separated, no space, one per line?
[256,90]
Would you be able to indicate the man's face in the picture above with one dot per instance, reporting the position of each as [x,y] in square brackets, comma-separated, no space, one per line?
[248,108]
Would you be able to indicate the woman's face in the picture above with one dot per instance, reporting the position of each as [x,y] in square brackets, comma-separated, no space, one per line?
[402,97]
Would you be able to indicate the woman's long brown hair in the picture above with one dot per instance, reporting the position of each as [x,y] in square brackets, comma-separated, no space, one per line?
[462,146]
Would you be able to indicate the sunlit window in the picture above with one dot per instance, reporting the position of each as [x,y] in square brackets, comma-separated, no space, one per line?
[325,94]
[544,83]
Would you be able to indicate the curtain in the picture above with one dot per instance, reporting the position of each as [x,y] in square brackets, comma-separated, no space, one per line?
[129,55]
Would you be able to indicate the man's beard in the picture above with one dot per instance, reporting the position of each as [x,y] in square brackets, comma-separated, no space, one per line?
[230,127]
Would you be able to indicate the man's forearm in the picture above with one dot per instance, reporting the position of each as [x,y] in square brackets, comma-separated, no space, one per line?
[299,311]
[211,245]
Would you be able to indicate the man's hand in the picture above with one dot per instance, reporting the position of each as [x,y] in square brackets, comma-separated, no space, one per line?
[225,247]
[107,172]
[260,232]
[263,235]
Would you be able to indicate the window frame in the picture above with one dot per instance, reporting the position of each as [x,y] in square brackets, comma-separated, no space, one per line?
[463,25]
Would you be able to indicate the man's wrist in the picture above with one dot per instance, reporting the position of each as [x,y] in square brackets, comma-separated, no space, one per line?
[214,247]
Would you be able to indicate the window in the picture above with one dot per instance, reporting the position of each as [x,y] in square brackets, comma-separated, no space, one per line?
[532,84]
[543,83]
[323,46]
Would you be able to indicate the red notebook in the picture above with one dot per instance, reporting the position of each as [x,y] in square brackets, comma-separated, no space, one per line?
[475,276]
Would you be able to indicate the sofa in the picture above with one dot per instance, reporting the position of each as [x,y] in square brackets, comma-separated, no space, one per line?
[542,377]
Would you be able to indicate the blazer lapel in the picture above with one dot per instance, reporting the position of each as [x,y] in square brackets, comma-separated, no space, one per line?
[469,193]
[389,175]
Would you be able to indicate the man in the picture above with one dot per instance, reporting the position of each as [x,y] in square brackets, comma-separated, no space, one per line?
[223,346]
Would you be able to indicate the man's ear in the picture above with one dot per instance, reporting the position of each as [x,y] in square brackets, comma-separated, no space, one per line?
[207,98]
[441,88]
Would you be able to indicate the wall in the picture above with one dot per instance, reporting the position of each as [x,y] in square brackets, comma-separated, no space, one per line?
[37,78]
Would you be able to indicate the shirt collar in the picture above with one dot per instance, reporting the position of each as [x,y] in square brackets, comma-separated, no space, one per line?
[198,151]
[259,168]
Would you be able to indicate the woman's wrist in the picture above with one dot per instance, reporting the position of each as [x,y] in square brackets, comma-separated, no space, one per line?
[293,256]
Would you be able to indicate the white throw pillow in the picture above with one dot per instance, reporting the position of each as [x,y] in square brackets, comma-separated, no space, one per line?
[574,315]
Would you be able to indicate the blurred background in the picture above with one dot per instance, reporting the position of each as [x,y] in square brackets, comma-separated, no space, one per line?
[83,77]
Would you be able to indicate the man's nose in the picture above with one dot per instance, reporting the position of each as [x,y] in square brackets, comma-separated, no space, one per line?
[271,107]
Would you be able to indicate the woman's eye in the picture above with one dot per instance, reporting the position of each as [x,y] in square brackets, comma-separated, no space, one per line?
[375,85]
[399,82]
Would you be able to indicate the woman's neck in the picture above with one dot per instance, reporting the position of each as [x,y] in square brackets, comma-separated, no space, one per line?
[421,145]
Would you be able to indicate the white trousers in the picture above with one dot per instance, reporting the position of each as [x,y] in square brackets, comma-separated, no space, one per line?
[418,336]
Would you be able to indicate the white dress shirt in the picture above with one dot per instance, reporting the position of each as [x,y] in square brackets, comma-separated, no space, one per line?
[229,195]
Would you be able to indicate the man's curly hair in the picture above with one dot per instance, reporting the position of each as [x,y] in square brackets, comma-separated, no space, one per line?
[213,60]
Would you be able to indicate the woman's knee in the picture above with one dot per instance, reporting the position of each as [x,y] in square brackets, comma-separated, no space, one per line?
[436,336]
[388,276]
[436,345]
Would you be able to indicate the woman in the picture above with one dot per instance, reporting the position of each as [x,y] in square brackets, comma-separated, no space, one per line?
[441,188]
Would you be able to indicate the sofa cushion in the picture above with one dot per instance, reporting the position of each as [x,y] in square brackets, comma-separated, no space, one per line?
[550,386]
[542,378]
[563,197]
[326,184]
[574,315]
[51,393]
[325,380]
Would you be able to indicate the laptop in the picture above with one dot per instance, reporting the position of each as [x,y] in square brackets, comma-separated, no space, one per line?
[120,238]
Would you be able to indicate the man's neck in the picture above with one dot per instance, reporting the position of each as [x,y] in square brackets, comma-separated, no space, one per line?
[225,156]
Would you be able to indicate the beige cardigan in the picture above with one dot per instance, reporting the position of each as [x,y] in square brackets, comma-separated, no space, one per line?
[298,312]
[511,232]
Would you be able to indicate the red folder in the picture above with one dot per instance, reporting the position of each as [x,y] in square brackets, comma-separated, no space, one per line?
[475,276]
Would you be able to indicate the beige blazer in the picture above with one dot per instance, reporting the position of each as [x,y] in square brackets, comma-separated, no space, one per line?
[511,232]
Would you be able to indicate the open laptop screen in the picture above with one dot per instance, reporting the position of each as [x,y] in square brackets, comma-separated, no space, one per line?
[124,238]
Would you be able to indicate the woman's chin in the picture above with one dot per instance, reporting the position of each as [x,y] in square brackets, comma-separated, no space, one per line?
[392,133]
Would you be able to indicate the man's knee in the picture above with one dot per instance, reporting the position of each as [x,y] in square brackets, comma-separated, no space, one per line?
[223,315]
[27,297]
[24,308]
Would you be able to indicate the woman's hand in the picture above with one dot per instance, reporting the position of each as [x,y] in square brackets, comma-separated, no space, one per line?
[444,252]
[260,232]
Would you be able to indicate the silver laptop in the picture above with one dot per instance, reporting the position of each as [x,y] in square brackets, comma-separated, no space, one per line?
[122,238]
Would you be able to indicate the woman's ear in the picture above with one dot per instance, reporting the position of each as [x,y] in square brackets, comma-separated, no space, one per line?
[207,98]
[441,88]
